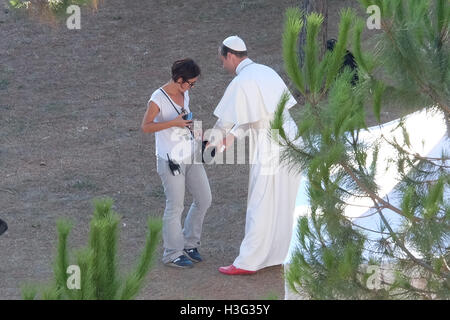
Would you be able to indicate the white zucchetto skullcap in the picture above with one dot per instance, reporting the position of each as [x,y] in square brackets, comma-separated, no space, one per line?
[235,43]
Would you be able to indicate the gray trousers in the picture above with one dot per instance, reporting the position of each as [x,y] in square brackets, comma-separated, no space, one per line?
[176,238]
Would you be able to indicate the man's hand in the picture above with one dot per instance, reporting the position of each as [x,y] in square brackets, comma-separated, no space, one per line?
[196,128]
[226,143]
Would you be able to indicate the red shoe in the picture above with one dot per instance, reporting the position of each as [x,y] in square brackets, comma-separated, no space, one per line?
[233,271]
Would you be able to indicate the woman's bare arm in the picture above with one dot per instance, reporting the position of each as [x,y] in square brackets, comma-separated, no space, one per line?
[148,125]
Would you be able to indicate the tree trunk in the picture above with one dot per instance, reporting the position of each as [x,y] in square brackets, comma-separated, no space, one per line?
[308,6]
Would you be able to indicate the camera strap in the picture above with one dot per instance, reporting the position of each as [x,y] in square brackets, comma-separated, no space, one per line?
[170,100]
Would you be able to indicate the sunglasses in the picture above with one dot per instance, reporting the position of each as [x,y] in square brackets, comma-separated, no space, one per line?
[191,84]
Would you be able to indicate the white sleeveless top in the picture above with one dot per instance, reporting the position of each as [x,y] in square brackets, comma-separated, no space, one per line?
[175,141]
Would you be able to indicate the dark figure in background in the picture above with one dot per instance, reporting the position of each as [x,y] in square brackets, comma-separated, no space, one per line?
[349,61]
[3,227]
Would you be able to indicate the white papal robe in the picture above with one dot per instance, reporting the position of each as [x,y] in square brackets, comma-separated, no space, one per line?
[247,108]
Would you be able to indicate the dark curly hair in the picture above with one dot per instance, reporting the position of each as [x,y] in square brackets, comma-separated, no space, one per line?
[185,69]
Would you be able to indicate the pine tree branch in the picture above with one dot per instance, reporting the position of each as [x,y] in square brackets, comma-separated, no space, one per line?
[289,144]
[430,92]
[403,247]
[370,214]
[377,252]
[319,234]
[354,145]
[352,205]
[351,194]
[373,195]
[367,229]
[416,155]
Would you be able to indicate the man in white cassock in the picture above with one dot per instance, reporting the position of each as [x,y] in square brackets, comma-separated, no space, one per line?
[246,109]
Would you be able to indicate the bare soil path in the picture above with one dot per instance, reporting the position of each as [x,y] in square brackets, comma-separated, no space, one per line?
[71,104]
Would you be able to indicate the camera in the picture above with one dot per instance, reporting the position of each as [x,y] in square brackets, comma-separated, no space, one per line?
[187,116]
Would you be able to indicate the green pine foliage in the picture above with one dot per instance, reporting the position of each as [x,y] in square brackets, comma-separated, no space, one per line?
[53,8]
[410,63]
[413,50]
[100,278]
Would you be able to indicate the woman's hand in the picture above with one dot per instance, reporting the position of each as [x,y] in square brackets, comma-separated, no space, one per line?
[180,122]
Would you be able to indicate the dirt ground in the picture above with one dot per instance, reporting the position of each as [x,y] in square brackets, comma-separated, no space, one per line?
[71,104]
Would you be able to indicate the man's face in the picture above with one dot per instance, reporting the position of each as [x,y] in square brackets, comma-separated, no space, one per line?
[227,63]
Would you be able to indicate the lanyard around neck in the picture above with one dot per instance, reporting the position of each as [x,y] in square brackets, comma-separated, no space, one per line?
[182,109]
[170,100]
